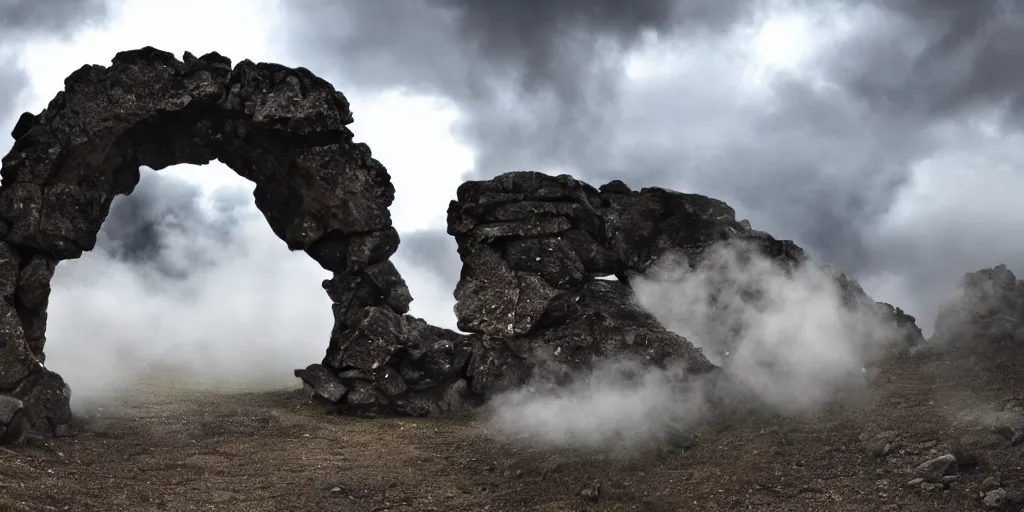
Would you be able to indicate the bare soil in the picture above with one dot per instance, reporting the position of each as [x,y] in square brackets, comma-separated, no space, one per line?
[178,449]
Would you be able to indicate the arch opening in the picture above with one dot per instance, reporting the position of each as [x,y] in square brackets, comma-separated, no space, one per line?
[187,289]
[533,247]
[283,129]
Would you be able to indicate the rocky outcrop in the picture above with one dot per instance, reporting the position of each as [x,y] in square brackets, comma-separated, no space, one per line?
[986,314]
[535,247]
[547,260]
[532,248]
[899,328]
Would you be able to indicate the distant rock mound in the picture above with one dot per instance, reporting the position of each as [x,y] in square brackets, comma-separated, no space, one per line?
[986,314]
[284,129]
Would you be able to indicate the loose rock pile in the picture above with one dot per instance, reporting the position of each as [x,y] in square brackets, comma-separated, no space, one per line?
[933,465]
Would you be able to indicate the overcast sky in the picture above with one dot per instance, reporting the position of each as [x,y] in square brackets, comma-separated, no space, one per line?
[881,135]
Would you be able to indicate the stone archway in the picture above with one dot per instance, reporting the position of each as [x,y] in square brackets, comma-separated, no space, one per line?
[532,246]
[282,128]
[321,192]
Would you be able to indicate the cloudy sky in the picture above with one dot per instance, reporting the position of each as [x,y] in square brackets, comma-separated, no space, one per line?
[881,135]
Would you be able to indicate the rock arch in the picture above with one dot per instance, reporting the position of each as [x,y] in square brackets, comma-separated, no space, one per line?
[532,245]
[321,192]
[282,128]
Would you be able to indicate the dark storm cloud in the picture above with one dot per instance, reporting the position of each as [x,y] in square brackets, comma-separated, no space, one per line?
[12,82]
[163,226]
[18,17]
[21,20]
[539,78]
[821,156]
[939,57]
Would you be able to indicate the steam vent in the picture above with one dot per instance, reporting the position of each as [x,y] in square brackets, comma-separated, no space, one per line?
[532,245]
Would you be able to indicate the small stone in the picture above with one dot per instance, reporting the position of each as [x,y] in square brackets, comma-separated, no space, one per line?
[9,406]
[591,492]
[915,482]
[323,382]
[885,443]
[933,470]
[995,498]
[1004,431]
[889,448]
[13,431]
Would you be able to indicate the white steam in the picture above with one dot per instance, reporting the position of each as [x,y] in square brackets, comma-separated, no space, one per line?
[222,304]
[619,403]
[785,337]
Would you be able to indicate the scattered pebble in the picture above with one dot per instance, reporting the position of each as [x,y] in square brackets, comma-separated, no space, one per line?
[591,492]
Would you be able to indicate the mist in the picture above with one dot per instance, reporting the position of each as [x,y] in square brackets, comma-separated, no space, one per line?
[783,337]
[188,287]
[621,403]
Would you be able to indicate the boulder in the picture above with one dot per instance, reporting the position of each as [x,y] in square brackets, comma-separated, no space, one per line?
[11,419]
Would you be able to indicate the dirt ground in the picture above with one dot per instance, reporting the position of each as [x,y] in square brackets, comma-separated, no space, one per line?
[174,449]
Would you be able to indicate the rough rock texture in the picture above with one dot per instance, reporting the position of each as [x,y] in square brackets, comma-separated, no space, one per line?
[284,129]
[533,246]
[900,328]
[11,419]
[987,313]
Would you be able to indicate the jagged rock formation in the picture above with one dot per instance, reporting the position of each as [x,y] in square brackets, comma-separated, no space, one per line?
[896,323]
[536,249]
[987,314]
[533,247]
[284,129]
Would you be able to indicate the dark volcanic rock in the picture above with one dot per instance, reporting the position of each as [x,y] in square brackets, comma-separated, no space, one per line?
[407,362]
[11,419]
[934,470]
[323,382]
[985,316]
[532,245]
[47,401]
[282,128]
